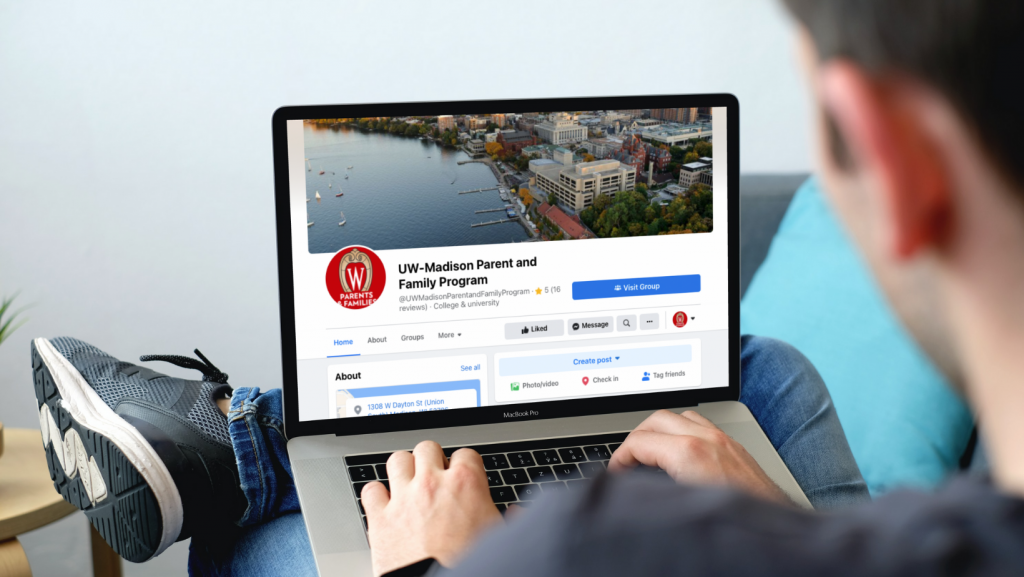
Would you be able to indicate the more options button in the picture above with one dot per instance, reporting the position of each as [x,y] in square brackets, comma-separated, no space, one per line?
[534,329]
[635,287]
[649,321]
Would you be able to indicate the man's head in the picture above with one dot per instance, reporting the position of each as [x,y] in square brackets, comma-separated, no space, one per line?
[922,131]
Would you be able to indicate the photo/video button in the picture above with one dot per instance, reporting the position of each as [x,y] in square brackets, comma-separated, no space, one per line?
[626,323]
[534,329]
[649,321]
[591,325]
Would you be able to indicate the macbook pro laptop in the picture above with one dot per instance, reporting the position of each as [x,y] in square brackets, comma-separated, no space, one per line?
[529,278]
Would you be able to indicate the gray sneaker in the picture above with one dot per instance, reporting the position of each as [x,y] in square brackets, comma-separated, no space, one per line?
[146,456]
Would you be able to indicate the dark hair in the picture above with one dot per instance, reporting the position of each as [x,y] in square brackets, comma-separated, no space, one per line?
[971,51]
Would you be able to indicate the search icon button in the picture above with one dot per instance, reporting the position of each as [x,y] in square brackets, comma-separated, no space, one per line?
[626,323]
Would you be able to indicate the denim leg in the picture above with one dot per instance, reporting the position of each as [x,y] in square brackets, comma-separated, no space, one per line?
[278,547]
[256,425]
[786,395]
[273,539]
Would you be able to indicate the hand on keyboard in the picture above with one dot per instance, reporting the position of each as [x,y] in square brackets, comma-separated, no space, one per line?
[693,450]
[436,508]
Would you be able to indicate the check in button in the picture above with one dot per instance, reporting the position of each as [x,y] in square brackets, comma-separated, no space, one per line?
[635,287]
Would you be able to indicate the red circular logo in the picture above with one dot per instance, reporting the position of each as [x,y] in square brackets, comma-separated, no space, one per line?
[680,319]
[355,277]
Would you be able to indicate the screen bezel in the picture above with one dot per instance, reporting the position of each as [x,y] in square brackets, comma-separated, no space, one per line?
[496,413]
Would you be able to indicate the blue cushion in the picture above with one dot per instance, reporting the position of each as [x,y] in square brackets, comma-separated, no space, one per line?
[905,425]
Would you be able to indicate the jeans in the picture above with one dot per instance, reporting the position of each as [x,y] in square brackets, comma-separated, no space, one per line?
[789,400]
[779,385]
[273,539]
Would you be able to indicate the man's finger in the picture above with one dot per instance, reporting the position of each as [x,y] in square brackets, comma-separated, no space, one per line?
[375,497]
[467,458]
[401,467]
[669,423]
[698,418]
[429,456]
[649,448]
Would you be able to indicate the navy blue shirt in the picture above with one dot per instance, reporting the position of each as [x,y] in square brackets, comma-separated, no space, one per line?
[643,526]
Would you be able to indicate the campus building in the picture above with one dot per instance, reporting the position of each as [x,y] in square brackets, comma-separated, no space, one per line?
[552,152]
[475,122]
[576,186]
[561,128]
[631,152]
[514,141]
[498,119]
[680,115]
[695,172]
[570,225]
[677,134]
[475,146]
[638,153]
[446,122]
[602,147]
[645,123]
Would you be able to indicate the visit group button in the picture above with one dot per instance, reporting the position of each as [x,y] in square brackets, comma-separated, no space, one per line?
[635,287]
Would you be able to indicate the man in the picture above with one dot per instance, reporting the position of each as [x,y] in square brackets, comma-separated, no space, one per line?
[923,163]
[923,158]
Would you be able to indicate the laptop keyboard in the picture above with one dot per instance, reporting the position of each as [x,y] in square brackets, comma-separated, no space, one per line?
[517,471]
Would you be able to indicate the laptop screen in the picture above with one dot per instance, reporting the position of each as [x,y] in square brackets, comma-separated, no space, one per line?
[452,260]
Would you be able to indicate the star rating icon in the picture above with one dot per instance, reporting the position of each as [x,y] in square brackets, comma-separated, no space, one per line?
[539,291]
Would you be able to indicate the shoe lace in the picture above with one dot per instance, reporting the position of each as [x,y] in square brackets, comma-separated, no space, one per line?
[203,365]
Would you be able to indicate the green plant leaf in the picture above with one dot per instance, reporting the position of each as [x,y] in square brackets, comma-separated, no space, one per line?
[9,318]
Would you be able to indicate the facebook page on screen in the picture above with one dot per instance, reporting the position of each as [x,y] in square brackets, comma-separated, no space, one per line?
[455,261]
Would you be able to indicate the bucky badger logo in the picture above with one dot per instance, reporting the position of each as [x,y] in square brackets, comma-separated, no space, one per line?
[356,272]
[355,277]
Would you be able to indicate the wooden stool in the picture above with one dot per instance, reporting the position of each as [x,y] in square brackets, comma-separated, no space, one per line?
[28,501]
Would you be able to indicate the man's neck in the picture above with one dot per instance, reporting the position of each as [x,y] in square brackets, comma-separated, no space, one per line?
[984,278]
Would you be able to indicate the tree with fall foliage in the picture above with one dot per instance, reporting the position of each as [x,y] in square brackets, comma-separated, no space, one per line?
[630,213]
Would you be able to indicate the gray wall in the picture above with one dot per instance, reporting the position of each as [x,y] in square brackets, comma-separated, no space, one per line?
[135,160]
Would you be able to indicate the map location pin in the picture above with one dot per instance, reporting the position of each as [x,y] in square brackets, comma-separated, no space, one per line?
[586,380]
[357,409]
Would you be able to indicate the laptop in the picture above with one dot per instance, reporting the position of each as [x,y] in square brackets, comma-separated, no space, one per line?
[529,278]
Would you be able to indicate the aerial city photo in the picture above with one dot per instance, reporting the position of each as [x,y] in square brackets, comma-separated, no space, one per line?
[453,180]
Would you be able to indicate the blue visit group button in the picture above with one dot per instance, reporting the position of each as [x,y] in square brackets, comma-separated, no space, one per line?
[635,287]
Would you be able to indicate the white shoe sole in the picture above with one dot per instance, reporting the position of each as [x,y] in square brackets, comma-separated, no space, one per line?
[102,464]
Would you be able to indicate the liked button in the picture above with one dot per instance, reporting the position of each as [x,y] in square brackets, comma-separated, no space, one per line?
[534,329]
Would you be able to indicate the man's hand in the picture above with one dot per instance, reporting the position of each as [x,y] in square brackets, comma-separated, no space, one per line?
[432,511]
[693,450]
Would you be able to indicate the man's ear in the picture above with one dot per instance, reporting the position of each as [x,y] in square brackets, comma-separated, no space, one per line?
[892,155]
